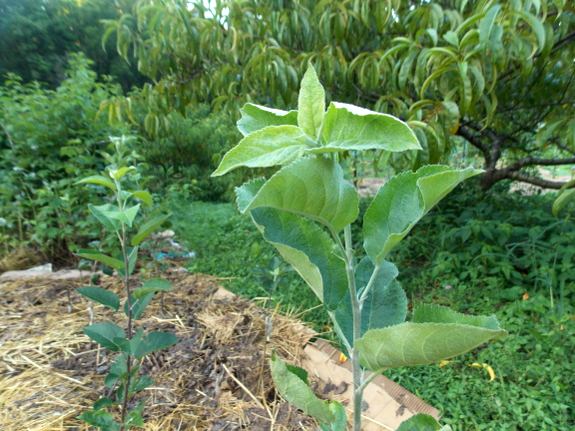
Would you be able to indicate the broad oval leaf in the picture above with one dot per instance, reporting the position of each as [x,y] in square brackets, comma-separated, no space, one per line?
[402,202]
[311,104]
[138,305]
[271,146]
[256,117]
[103,214]
[298,393]
[421,422]
[311,187]
[104,334]
[99,419]
[152,285]
[347,127]
[143,195]
[413,343]
[309,249]
[155,341]
[100,295]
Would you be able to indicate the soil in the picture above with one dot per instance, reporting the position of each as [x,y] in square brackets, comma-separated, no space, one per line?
[215,378]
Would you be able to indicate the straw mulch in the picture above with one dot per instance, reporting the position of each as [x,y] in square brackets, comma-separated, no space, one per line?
[215,378]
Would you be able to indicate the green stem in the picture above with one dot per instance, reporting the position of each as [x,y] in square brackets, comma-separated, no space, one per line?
[129,334]
[356,315]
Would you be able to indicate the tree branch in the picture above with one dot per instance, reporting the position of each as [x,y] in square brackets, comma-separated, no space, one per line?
[536,161]
[536,181]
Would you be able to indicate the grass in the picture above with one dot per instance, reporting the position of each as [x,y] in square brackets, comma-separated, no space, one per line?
[500,254]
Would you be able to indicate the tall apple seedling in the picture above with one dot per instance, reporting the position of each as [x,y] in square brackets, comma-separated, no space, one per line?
[306,210]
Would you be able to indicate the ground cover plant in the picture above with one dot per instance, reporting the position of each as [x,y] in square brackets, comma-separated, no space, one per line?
[367,305]
[119,218]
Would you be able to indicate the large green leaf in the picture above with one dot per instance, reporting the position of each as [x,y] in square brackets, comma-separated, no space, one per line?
[100,295]
[311,104]
[348,127]
[298,393]
[147,228]
[271,146]
[402,202]
[421,422]
[104,334]
[256,117]
[436,334]
[102,213]
[117,369]
[102,258]
[155,341]
[385,304]
[138,305]
[152,285]
[487,25]
[101,419]
[312,187]
[309,249]
[132,253]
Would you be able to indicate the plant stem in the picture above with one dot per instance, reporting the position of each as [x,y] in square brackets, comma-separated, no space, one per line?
[356,313]
[129,334]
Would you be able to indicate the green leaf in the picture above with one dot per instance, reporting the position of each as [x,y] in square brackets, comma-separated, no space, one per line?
[117,369]
[451,38]
[131,214]
[152,285]
[385,304]
[347,127]
[402,202]
[138,305]
[102,213]
[102,258]
[420,422]
[102,296]
[427,340]
[487,25]
[309,249]
[142,383]
[311,187]
[311,104]
[271,146]
[120,173]
[134,419]
[536,26]
[129,346]
[147,228]
[132,258]
[100,419]
[340,421]
[256,117]
[100,180]
[298,393]
[104,334]
[103,402]
[298,371]
[144,196]
[155,341]
[563,198]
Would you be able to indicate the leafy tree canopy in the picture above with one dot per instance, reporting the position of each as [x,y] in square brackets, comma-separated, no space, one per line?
[36,37]
[497,74]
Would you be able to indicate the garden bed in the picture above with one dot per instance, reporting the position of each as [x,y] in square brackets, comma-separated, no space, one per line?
[216,378]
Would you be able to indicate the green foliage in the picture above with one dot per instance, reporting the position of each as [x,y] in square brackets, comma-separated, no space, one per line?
[48,138]
[304,209]
[38,36]
[120,219]
[498,75]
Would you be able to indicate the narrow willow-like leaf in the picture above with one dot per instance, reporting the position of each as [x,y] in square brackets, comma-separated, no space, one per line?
[102,296]
[487,25]
[102,258]
[256,117]
[312,187]
[385,305]
[564,197]
[155,341]
[311,104]
[420,422]
[152,285]
[271,146]
[347,127]
[147,228]
[295,391]
[402,202]
[422,343]
[104,334]
[309,249]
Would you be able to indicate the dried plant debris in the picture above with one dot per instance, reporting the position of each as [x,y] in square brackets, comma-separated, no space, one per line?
[216,378]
